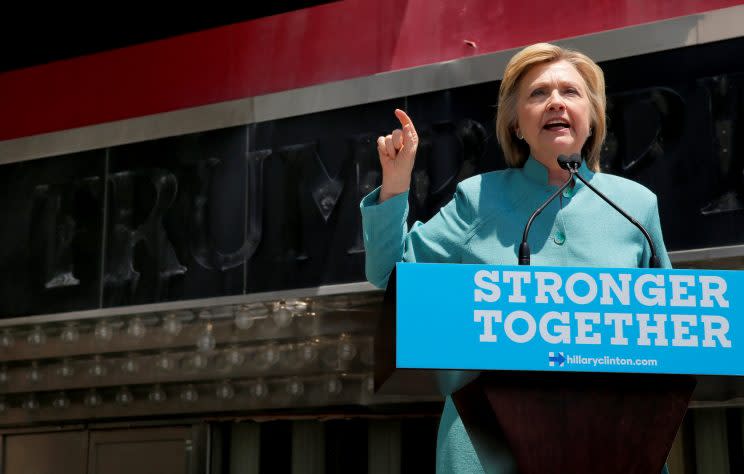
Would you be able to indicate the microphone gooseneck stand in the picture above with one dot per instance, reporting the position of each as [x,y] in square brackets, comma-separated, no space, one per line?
[572,164]
[524,248]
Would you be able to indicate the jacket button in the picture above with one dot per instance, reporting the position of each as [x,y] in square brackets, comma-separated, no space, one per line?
[568,192]
[559,237]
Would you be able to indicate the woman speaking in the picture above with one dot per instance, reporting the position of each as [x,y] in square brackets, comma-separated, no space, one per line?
[551,103]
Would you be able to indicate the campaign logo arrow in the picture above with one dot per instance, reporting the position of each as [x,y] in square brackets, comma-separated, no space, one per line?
[556,359]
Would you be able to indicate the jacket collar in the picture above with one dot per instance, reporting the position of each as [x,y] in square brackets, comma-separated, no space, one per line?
[537,173]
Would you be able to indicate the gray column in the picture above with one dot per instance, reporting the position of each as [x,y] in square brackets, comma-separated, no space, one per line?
[383,448]
[245,448]
[711,441]
[308,447]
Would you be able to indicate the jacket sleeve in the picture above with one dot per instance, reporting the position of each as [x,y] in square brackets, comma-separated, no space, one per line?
[387,239]
[653,226]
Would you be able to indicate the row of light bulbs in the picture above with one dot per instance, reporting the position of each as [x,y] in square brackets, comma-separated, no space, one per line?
[280,313]
[294,355]
[258,389]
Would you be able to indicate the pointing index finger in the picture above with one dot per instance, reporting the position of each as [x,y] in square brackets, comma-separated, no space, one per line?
[404,118]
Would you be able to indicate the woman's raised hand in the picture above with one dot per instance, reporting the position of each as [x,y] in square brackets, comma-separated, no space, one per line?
[397,153]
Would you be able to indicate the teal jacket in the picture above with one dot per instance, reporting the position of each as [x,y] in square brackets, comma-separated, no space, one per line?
[484,223]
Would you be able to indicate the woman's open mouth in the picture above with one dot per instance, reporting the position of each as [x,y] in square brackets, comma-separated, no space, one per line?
[557,125]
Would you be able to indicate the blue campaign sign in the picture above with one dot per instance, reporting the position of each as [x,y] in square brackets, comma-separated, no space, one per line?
[489,317]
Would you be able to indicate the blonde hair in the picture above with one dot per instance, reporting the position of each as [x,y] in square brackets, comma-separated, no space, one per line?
[515,150]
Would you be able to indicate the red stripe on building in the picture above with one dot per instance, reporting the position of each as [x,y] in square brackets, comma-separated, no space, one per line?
[331,42]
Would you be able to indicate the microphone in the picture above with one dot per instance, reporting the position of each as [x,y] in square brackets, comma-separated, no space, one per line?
[524,248]
[572,164]
[569,162]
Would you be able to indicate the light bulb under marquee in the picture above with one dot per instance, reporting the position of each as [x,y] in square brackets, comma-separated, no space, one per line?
[333,386]
[282,317]
[346,349]
[98,369]
[136,328]
[165,362]
[189,394]
[130,365]
[61,401]
[225,391]
[295,387]
[308,352]
[70,334]
[34,374]
[92,399]
[206,341]
[247,314]
[267,356]
[124,396]
[7,340]
[103,331]
[258,389]
[284,311]
[243,320]
[172,326]
[66,369]
[30,403]
[157,394]
[234,357]
[198,361]
[37,336]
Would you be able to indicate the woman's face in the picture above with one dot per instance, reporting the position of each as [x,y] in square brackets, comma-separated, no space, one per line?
[553,111]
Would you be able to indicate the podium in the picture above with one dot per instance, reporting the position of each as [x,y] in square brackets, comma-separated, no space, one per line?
[575,370]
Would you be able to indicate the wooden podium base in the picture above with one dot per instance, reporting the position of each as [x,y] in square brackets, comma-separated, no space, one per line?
[577,423]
